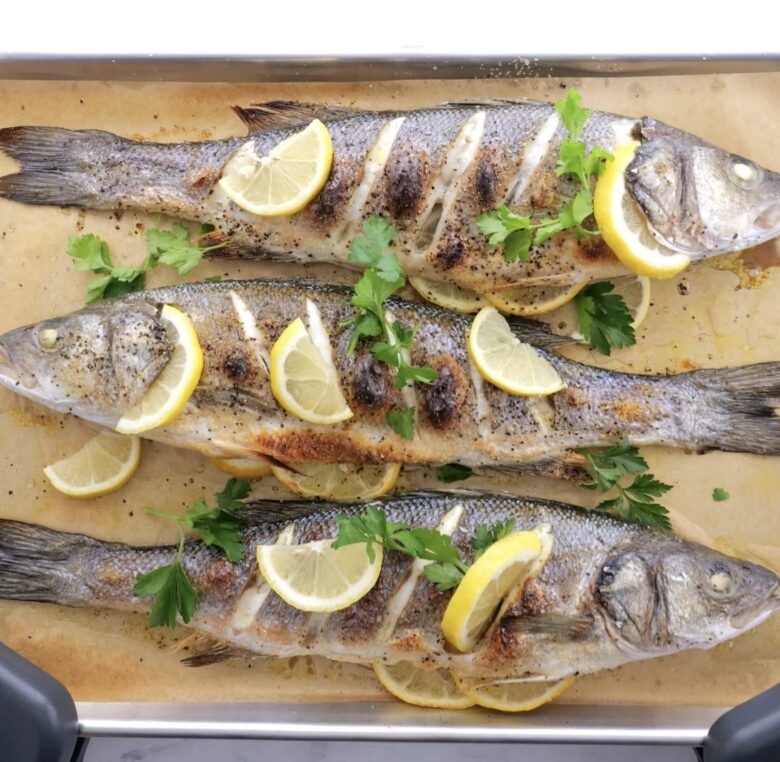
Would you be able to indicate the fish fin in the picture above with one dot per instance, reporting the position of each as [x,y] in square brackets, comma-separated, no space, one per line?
[219,652]
[537,333]
[747,399]
[229,248]
[277,511]
[262,117]
[34,563]
[570,467]
[558,625]
[488,102]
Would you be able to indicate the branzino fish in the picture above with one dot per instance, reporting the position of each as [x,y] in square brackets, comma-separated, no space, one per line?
[429,172]
[610,592]
[99,361]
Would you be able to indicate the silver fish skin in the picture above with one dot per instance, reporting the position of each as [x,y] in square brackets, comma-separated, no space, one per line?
[429,172]
[609,593]
[97,362]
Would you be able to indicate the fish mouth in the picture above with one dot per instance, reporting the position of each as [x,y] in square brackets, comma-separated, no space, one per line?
[769,219]
[755,615]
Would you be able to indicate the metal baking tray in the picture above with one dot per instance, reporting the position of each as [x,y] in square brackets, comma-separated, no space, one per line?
[674,725]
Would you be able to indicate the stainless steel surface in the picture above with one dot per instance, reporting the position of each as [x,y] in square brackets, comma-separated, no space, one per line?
[393,721]
[365,68]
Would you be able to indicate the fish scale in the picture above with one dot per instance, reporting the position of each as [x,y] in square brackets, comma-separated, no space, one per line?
[602,579]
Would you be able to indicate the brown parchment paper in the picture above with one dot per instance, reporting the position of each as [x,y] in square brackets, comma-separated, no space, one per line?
[708,317]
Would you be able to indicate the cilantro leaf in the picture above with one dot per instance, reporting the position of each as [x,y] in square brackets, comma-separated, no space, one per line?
[175,595]
[453,472]
[719,494]
[604,319]
[172,247]
[90,252]
[484,536]
[368,248]
[401,421]
[444,576]
[572,116]
[503,226]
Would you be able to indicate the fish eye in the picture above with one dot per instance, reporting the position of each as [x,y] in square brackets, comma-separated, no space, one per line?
[743,173]
[47,338]
[721,580]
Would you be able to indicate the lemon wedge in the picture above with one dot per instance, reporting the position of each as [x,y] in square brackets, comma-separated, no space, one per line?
[448,295]
[503,566]
[505,361]
[338,482]
[512,697]
[169,392]
[303,383]
[533,300]
[623,226]
[242,468]
[102,465]
[316,577]
[433,688]
[286,180]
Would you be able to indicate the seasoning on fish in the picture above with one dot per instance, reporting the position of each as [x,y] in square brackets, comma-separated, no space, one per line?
[98,362]
[610,592]
[429,172]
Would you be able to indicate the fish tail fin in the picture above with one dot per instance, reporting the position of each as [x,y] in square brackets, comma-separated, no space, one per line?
[58,166]
[36,563]
[745,415]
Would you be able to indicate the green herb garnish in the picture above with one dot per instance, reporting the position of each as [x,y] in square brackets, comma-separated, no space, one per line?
[169,247]
[636,501]
[604,319]
[381,279]
[719,494]
[453,472]
[484,536]
[447,568]
[218,526]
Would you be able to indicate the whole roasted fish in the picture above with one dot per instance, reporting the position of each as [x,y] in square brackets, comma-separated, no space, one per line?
[98,362]
[609,593]
[430,172]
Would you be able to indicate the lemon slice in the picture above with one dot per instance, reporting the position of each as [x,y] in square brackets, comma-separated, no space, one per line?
[433,688]
[512,697]
[102,465]
[303,383]
[242,468]
[283,182]
[448,295]
[339,482]
[623,226]
[503,566]
[169,392]
[635,290]
[533,300]
[316,577]
[507,362]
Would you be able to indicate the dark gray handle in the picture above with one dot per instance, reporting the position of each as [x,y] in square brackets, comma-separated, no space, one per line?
[748,733]
[38,721]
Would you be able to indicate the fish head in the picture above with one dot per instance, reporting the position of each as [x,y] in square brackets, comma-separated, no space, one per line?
[698,198]
[95,363]
[667,595]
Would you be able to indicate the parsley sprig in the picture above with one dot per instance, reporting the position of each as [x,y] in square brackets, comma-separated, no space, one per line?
[168,247]
[173,591]
[382,277]
[453,472]
[518,233]
[604,318]
[636,501]
[446,569]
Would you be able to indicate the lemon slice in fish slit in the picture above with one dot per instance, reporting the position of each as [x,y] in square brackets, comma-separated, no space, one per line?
[623,226]
[338,482]
[432,688]
[533,300]
[102,465]
[505,361]
[242,468]
[448,295]
[169,392]
[286,180]
[512,697]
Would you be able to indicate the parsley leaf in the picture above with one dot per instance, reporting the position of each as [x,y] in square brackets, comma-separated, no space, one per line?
[402,422]
[174,593]
[719,494]
[608,465]
[231,495]
[172,247]
[484,536]
[444,575]
[503,226]
[453,472]
[572,116]
[605,321]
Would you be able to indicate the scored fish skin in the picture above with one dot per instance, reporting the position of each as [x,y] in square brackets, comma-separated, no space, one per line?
[610,592]
[101,358]
[429,172]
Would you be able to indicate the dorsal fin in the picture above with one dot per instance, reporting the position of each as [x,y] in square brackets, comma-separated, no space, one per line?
[273,115]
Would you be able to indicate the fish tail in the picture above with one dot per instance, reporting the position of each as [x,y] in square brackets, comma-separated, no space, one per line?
[744,415]
[37,563]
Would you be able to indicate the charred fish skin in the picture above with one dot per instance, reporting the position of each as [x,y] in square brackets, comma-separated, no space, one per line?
[429,172]
[94,362]
[610,592]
